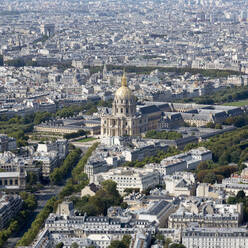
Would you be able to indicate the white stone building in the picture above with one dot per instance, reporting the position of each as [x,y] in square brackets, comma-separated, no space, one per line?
[215,238]
[168,166]
[13,180]
[180,184]
[206,214]
[127,178]
[51,154]
[209,191]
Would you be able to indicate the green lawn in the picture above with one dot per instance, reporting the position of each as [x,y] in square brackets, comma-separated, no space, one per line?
[238,103]
[86,139]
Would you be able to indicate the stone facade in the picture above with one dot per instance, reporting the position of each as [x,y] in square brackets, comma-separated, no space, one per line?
[13,181]
[215,237]
[206,214]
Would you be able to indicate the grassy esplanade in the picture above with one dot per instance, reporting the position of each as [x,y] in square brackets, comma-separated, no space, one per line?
[86,139]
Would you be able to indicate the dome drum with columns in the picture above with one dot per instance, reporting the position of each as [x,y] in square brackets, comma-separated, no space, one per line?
[124,102]
[125,120]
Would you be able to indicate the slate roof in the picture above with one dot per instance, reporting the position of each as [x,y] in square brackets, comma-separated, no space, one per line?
[149,109]
[93,187]
[155,210]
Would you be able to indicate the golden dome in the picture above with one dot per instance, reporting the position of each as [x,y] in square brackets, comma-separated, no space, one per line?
[124,93]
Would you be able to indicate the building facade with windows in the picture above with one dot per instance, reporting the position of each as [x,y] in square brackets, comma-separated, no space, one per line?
[215,237]
[9,207]
[130,178]
[14,180]
[206,214]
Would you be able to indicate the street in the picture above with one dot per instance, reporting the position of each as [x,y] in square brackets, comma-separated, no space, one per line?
[42,196]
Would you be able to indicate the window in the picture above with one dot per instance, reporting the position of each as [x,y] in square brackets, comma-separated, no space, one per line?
[16,182]
[10,182]
[121,110]
[5,182]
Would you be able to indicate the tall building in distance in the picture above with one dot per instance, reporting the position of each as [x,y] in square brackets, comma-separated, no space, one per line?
[47,29]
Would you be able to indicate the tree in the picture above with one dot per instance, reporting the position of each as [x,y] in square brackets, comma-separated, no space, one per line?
[67,190]
[56,177]
[75,135]
[41,117]
[29,204]
[202,166]
[160,237]
[167,243]
[218,126]
[31,178]
[224,158]
[1,60]
[32,232]
[29,201]
[98,204]
[210,125]
[117,244]
[124,205]
[177,246]
[74,245]
[240,198]
[241,166]
[131,190]
[126,240]
[171,135]
[231,200]
[240,195]
[201,174]
[60,245]
[210,178]
[239,121]
[59,174]
[110,187]
[190,146]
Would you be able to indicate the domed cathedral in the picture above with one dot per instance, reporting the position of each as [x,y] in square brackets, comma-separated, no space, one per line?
[124,102]
[125,120]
